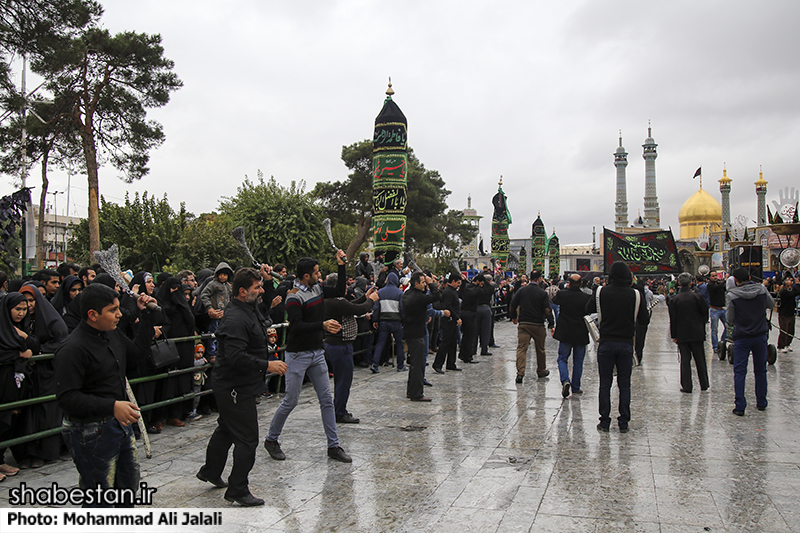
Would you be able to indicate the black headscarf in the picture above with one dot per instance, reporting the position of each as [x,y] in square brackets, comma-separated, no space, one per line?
[105,278]
[61,299]
[140,279]
[174,302]
[48,327]
[10,341]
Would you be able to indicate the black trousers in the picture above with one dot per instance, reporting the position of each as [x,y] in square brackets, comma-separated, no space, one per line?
[237,425]
[641,335]
[688,351]
[447,349]
[468,336]
[416,362]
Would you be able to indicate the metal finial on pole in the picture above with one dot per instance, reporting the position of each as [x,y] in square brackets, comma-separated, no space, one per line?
[500,183]
[390,91]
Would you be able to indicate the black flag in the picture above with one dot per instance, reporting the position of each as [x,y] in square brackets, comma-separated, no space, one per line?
[698,173]
[480,247]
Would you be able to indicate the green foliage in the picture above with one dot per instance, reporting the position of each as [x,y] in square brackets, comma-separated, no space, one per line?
[281,224]
[146,230]
[206,241]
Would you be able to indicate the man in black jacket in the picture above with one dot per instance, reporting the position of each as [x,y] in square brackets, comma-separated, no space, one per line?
[415,317]
[239,372]
[529,309]
[688,314]
[786,310]
[90,388]
[469,293]
[447,349]
[716,303]
[571,333]
[620,307]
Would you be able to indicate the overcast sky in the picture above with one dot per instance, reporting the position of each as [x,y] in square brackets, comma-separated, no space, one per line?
[533,91]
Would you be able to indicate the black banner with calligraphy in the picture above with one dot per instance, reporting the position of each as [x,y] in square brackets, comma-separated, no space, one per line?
[644,253]
[389,200]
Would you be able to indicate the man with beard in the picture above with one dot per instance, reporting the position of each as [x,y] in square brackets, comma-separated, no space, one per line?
[239,372]
[447,349]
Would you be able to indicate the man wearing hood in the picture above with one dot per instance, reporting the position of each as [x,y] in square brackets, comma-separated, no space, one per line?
[618,306]
[747,303]
[387,314]
[363,268]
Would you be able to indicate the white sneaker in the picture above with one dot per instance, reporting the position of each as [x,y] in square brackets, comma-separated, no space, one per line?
[784,350]
[789,348]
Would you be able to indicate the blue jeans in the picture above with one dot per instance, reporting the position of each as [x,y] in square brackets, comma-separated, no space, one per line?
[578,353]
[717,315]
[310,362]
[104,454]
[741,355]
[395,328]
[554,308]
[341,359]
[213,324]
[609,355]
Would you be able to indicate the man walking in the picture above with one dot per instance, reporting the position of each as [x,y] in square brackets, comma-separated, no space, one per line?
[469,292]
[716,303]
[529,309]
[786,310]
[415,316]
[239,371]
[748,327]
[619,306]
[688,314]
[304,353]
[483,315]
[571,333]
[447,348]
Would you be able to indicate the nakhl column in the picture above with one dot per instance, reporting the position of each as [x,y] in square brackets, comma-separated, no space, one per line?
[539,246]
[554,256]
[501,218]
[389,181]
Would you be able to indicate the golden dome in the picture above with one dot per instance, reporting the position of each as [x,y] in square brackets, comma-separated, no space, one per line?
[701,210]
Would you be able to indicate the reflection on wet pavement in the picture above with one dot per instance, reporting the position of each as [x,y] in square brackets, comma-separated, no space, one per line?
[490,455]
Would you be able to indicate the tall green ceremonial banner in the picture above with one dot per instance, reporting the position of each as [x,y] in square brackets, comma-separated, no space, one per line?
[523,261]
[501,218]
[539,245]
[389,180]
[554,256]
[653,252]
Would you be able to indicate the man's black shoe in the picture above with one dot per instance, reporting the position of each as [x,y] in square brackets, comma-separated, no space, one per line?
[519,379]
[565,389]
[544,374]
[274,450]
[764,408]
[427,383]
[338,454]
[738,413]
[438,370]
[348,419]
[686,391]
[216,482]
[487,353]
[472,361]
[454,369]
[494,346]
[623,429]
[245,501]
[602,427]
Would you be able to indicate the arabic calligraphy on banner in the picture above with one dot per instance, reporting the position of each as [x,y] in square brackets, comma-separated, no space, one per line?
[389,231]
[389,136]
[389,168]
[389,200]
[644,253]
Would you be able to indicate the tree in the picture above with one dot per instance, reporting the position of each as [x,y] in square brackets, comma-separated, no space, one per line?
[282,224]
[110,81]
[206,241]
[429,228]
[146,230]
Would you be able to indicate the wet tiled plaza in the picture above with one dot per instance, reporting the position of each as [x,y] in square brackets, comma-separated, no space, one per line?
[490,455]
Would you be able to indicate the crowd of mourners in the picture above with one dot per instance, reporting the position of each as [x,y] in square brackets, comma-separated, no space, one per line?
[379,306]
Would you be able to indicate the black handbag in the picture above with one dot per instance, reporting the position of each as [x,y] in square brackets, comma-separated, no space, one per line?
[164,354]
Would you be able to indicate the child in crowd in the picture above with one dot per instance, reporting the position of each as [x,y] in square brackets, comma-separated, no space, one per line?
[198,381]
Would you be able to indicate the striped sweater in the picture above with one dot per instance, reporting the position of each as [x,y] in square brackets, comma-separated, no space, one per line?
[305,312]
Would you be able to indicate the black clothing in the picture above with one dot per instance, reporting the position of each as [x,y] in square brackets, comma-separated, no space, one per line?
[688,315]
[618,301]
[716,293]
[469,297]
[451,302]
[242,357]
[91,366]
[787,304]
[531,305]
[570,326]
[305,310]
[337,308]
[415,311]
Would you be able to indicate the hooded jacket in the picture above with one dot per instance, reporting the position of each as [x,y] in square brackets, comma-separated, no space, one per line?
[617,305]
[217,295]
[390,305]
[746,313]
[363,268]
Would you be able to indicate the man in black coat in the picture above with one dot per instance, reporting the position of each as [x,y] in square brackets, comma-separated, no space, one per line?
[529,309]
[415,317]
[447,348]
[688,314]
[469,292]
[571,333]
[620,307]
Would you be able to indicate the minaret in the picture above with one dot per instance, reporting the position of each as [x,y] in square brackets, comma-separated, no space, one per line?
[725,191]
[621,161]
[652,214]
[761,192]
